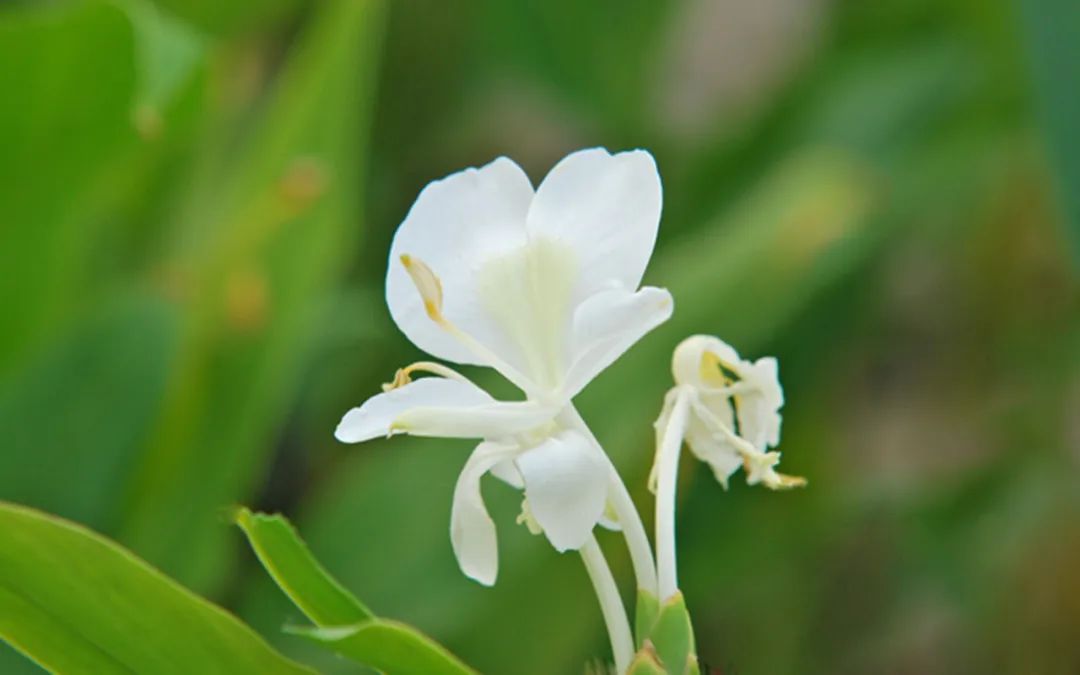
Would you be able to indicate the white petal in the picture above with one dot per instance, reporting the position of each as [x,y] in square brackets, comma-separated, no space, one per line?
[507,472]
[435,406]
[607,324]
[721,457]
[454,226]
[759,411]
[566,486]
[607,209]
[472,532]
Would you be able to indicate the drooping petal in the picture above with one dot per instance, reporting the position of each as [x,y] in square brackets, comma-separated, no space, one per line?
[435,406]
[712,449]
[759,410]
[455,225]
[472,532]
[607,324]
[566,486]
[606,208]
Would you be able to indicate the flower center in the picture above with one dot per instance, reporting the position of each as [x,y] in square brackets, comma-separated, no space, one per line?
[528,292]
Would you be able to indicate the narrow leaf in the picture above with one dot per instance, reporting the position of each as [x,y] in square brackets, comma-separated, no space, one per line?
[388,646]
[296,571]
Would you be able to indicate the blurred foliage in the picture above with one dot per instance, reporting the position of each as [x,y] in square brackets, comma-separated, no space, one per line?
[196,200]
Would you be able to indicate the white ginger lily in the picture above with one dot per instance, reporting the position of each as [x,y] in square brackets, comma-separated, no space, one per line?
[542,286]
[727,410]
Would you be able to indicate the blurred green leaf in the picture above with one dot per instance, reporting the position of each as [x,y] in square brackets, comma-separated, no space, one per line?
[168,51]
[271,241]
[237,16]
[75,419]
[1052,29]
[344,624]
[77,603]
[67,87]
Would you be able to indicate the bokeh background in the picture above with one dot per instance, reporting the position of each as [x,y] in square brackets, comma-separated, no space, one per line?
[197,197]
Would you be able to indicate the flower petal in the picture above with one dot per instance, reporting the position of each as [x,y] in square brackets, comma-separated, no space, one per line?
[507,472]
[454,226]
[435,406]
[607,209]
[759,411]
[566,485]
[607,324]
[472,532]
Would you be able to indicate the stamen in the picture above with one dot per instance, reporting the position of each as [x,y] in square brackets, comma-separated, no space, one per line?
[428,285]
[430,289]
[403,376]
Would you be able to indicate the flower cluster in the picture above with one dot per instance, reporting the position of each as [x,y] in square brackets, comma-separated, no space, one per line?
[544,286]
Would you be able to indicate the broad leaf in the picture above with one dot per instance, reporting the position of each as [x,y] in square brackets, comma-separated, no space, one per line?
[78,603]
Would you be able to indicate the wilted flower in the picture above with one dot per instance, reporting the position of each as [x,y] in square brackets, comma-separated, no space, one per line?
[727,410]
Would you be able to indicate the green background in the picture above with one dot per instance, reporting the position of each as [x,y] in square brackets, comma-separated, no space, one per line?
[196,200]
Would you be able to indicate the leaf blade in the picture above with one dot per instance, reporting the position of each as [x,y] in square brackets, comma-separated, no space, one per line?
[73,600]
[388,646]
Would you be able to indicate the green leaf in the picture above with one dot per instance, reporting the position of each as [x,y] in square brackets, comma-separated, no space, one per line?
[296,571]
[645,613]
[343,623]
[1052,27]
[388,646]
[672,635]
[77,603]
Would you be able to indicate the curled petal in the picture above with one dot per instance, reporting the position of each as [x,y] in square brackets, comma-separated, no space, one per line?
[607,324]
[434,406]
[566,487]
[472,532]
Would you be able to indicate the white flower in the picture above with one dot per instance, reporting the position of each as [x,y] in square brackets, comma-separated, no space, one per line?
[733,410]
[542,286]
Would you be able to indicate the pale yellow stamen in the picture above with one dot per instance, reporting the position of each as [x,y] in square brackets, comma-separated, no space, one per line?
[428,285]
[403,376]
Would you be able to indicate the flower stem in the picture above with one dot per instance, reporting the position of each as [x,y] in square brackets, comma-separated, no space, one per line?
[667,473]
[611,605]
[637,541]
